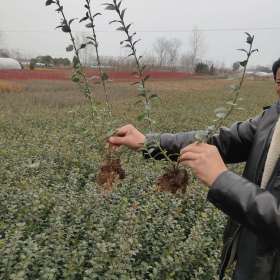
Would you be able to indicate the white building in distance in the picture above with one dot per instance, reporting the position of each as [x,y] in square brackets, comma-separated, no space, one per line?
[9,64]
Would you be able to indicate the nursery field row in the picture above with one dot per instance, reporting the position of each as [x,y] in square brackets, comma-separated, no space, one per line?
[65,74]
[55,220]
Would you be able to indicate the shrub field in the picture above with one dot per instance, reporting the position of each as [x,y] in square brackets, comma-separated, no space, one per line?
[57,223]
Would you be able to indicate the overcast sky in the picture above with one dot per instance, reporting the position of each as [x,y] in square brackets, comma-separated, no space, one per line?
[30,26]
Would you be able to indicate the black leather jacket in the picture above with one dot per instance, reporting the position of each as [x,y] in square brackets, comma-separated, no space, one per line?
[252,236]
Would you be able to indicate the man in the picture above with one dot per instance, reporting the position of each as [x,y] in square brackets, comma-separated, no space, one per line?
[252,236]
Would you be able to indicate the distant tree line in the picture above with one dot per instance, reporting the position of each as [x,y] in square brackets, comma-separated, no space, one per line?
[167,54]
[48,62]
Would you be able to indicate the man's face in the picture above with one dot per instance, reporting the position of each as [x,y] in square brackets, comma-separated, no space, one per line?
[278,82]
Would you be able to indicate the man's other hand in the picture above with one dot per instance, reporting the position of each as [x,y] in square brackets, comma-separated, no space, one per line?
[205,160]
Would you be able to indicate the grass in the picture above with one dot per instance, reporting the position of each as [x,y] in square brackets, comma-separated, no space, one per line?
[50,206]
[10,87]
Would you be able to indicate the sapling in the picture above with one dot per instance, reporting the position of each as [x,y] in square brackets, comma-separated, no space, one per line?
[103,76]
[176,178]
[175,174]
[79,75]
[130,43]
[223,113]
[111,169]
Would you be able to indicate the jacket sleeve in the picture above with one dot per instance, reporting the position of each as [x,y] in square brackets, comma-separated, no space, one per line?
[247,204]
[233,143]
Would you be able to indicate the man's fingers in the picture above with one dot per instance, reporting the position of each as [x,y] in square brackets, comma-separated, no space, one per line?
[189,156]
[122,131]
[194,148]
[117,141]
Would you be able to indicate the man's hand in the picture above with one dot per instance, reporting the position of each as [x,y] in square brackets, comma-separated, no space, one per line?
[205,160]
[129,136]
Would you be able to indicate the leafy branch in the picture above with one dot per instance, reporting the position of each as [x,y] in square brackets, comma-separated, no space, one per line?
[223,113]
[79,76]
[130,43]
[90,17]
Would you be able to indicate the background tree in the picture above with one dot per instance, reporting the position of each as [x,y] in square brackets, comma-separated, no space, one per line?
[161,48]
[197,46]
[202,68]
[3,52]
[1,37]
[167,52]
[260,68]
[173,49]
[186,62]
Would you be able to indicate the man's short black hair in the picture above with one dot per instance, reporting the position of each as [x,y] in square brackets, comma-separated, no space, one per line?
[275,67]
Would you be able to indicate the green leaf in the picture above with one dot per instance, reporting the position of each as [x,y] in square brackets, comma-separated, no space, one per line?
[119,4]
[153,96]
[109,7]
[141,88]
[71,21]
[75,78]
[142,94]
[230,103]
[221,112]
[76,62]
[250,38]
[70,48]
[97,14]
[243,50]
[84,19]
[137,41]
[123,13]
[66,28]
[121,28]
[147,107]
[243,63]
[104,76]
[255,50]
[141,117]
[83,46]
[114,21]
[90,38]
[90,25]
[234,88]
[49,2]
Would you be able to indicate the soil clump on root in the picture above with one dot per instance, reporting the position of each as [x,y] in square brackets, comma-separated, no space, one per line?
[174,180]
[110,172]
